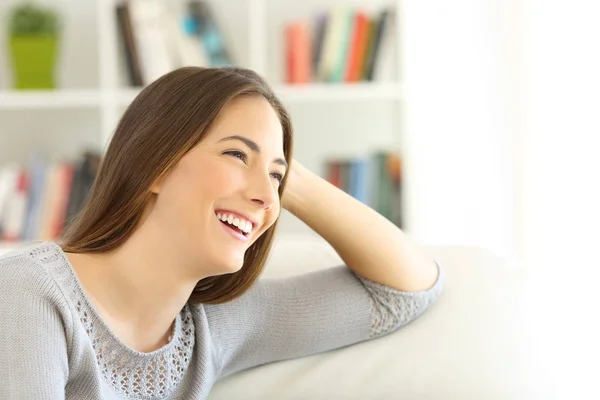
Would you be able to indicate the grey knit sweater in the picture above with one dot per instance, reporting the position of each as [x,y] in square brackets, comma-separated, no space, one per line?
[55,345]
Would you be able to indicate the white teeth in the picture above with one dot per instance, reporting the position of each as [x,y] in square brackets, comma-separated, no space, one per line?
[242,224]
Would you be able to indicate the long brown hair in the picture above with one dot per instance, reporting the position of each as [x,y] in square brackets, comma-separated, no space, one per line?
[165,121]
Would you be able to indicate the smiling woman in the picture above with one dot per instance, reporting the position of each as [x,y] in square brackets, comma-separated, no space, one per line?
[179,143]
[153,291]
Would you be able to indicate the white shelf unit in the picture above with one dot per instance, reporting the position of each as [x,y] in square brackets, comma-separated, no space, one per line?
[314,92]
[39,99]
[249,28]
[7,247]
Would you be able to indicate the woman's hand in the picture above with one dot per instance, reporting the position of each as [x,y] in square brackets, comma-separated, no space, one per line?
[369,244]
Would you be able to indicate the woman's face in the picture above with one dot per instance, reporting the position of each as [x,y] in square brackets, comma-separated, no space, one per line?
[233,174]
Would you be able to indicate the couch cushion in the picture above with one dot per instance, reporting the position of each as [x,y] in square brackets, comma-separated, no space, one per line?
[469,345]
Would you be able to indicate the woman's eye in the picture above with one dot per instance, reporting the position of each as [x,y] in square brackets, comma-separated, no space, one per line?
[277,176]
[242,156]
[237,154]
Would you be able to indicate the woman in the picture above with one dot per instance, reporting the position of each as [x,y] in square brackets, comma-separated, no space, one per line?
[153,290]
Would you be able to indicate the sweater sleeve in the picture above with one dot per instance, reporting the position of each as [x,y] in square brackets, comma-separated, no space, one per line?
[280,319]
[33,338]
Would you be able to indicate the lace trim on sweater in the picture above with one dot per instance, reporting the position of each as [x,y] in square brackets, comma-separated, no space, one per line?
[391,308]
[130,373]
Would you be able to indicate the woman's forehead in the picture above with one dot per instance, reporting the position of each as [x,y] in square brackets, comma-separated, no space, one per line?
[253,118]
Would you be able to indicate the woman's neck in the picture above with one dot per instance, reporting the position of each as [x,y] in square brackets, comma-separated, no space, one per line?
[139,288]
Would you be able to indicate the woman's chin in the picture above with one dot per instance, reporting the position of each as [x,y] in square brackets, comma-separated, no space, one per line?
[230,266]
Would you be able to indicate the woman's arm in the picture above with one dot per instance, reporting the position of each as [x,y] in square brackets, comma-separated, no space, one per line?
[368,243]
[330,308]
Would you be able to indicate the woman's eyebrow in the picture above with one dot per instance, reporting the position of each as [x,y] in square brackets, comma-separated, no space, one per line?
[252,145]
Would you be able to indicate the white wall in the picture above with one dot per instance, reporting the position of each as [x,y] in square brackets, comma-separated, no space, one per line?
[563,126]
[459,59]
[562,194]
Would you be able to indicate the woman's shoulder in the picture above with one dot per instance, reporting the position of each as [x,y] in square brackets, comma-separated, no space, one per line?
[36,325]
[30,270]
[30,258]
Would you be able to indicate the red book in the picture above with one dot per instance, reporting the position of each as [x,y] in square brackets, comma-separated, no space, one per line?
[65,183]
[334,173]
[358,47]
[298,53]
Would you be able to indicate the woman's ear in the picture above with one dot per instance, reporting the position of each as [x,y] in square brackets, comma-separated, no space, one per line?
[157,185]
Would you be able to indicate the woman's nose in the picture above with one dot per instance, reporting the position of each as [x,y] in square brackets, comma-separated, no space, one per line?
[262,191]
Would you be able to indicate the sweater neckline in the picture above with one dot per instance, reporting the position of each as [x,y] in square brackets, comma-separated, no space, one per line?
[129,372]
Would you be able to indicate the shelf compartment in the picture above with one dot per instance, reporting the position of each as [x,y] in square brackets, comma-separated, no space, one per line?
[44,99]
[314,92]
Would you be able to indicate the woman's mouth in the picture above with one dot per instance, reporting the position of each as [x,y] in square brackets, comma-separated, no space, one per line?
[237,227]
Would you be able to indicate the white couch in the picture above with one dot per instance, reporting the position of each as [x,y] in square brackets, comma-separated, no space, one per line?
[473,344]
[494,334]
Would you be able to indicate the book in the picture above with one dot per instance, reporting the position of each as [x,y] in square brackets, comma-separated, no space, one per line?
[38,199]
[385,63]
[358,47]
[374,179]
[342,41]
[48,203]
[394,172]
[319,35]
[344,45]
[84,175]
[359,180]
[57,203]
[152,43]
[330,50]
[211,34]
[15,210]
[190,46]
[128,44]
[8,178]
[377,35]
[37,178]
[299,53]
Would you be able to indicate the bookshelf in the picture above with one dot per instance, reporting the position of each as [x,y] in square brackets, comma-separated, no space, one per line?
[92,41]
[65,99]
[7,247]
[315,92]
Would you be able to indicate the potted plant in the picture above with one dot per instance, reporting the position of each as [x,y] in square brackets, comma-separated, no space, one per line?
[33,41]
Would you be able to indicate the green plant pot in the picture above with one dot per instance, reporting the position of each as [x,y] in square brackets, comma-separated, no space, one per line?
[34,61]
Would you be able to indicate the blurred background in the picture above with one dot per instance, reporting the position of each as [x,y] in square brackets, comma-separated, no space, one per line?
[467,123]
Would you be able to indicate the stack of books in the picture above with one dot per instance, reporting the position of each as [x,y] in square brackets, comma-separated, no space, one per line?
[158,37]
[37,200]
[343,45]
[375,180]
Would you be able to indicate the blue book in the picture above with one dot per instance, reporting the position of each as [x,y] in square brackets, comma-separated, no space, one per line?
[359,186]
[211,34]
[37,177]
